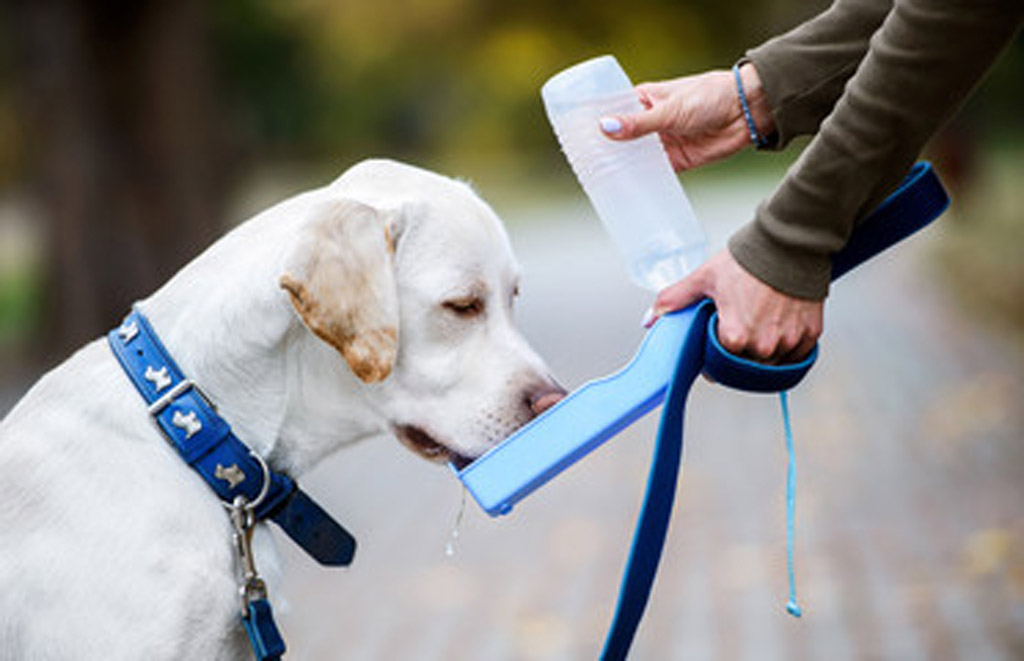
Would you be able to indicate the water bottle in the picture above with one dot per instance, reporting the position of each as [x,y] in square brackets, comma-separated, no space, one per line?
[630,183]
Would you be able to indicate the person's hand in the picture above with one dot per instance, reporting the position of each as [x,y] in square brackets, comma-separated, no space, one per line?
[699,118]
[755,320]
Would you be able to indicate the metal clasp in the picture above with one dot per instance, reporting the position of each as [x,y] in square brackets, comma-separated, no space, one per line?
[174,393]
[252,587]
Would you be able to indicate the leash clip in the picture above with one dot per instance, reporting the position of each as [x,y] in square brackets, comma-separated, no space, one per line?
[257,618]
[252,587]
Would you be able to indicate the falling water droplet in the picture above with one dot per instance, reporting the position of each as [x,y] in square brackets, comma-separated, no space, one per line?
[449,548]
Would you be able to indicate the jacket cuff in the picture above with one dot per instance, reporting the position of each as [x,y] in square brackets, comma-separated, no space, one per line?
[796,110]
[799,273]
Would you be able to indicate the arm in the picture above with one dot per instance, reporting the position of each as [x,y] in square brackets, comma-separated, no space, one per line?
[921,65]
[804,71]
[791,83]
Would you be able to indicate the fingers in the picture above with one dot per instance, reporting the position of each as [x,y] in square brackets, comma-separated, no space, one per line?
[627,127]
[687,291]
[766,347]
[801,349]
[788,339]
[757,321]
[697,118]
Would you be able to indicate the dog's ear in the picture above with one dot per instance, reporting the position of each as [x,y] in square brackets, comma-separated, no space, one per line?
[341,282]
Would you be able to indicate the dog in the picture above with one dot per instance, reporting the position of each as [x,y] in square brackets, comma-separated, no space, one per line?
[380,303]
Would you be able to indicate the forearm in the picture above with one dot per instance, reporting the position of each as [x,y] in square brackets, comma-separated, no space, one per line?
[804,70]
[921,64]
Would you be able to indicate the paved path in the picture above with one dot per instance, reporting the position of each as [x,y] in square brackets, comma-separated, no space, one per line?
[910,501]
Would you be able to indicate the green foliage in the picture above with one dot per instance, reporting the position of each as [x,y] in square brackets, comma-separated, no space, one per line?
[19,305]
[262,64]
[446,78]
[452,80]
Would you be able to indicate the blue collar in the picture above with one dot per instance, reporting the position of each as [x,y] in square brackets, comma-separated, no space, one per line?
[205,442]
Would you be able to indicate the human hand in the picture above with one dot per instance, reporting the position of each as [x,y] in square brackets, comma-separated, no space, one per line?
[755,320]
[699,118]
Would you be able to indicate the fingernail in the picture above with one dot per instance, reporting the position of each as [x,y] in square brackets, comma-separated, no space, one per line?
[649,318]
[610,124]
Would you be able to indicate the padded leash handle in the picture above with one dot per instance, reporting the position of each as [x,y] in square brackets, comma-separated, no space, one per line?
[919,200]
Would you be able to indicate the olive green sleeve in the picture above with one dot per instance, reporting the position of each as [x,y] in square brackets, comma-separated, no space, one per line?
[920,65]
[803,71]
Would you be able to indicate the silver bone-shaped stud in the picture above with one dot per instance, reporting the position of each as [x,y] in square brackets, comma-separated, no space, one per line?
[189,423]
[233,475]
[159,378]
[128,331]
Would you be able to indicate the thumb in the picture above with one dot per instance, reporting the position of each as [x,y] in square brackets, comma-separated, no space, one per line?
[627,127]
[687,291]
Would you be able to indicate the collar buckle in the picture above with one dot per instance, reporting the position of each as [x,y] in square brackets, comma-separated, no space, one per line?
[175,392]
[187,418]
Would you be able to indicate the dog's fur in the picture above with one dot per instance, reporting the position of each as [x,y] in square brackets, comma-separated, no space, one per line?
[112,548]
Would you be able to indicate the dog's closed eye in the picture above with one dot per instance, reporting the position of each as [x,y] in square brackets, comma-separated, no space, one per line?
[465,306]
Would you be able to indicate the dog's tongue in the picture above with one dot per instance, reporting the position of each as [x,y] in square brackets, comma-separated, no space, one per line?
[544,402]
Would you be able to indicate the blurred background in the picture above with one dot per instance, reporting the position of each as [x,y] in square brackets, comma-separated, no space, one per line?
[132,134]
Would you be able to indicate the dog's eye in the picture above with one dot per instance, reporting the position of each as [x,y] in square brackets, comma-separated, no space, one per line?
[469,306]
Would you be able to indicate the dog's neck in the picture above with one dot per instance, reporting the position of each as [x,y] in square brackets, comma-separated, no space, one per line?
[232,330]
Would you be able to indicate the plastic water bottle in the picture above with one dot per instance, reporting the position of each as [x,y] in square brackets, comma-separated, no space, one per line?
[630,183]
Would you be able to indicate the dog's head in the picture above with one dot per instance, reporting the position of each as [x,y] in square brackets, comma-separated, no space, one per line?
[411,277]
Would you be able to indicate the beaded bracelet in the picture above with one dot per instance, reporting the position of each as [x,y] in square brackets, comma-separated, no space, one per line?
[760,141]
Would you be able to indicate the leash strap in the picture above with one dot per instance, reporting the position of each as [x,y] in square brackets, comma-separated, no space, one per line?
[652,524]
[792,607]
[205,442]
[263,634]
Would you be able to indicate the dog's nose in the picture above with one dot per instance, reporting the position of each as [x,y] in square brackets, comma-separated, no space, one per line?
[544,397]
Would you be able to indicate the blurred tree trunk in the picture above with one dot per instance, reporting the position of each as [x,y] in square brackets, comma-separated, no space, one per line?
[119,106]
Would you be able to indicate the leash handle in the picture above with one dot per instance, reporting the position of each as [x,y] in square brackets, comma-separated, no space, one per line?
[918,201]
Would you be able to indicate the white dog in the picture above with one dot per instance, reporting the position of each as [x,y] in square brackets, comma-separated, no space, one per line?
[111,547]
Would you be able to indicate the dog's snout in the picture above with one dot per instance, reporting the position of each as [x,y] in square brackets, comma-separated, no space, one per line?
[544,396]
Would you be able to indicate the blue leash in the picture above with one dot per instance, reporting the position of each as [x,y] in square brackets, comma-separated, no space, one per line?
[652,526]
[919,200]
[792,607]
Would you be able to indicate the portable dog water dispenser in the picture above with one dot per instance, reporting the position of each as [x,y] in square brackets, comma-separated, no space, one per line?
[674,352]
[601,408]
[677,349]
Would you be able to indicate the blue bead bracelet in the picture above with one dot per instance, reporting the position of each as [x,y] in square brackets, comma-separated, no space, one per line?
[760,141]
